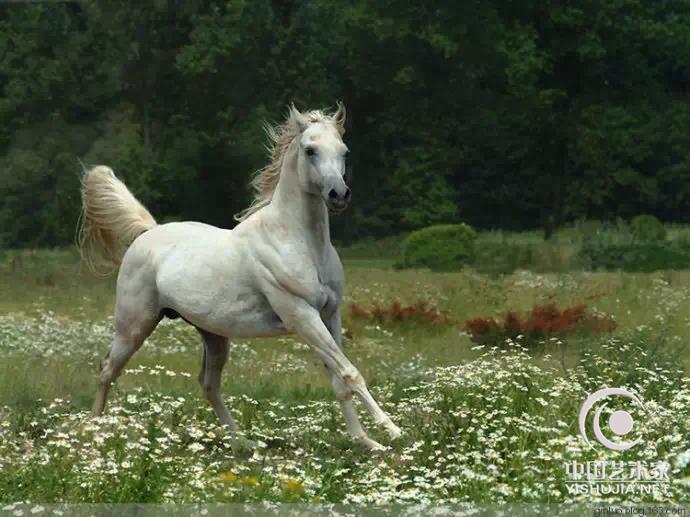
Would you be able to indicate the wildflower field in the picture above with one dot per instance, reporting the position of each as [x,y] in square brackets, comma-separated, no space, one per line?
[483,422]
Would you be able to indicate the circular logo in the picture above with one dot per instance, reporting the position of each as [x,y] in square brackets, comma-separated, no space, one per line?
[620,422]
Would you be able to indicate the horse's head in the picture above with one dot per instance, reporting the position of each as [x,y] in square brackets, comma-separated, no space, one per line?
[321,156]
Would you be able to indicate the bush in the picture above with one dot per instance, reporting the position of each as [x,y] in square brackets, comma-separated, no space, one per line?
[505,257]
[647,228]
[440,248]
[420,312]
[640,257]
[678,234]
[542,322]
[606,233]
[635,247]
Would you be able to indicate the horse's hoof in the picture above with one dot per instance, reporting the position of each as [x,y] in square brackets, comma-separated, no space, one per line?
[394,432]
[371,445]
[240,444]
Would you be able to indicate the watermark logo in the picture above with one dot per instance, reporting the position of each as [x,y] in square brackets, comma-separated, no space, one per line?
[620,421]
[613,476]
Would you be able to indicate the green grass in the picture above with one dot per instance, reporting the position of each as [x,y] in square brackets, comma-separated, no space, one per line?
[475,426]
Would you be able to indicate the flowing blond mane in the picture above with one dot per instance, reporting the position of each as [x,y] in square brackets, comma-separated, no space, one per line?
[280,136]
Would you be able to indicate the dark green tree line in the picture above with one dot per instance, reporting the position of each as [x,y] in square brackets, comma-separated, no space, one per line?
[496,113]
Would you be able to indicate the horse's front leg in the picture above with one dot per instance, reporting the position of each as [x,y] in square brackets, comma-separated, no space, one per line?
[343,393]
[303,319]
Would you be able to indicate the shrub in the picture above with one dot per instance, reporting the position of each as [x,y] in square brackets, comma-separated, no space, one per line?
[541,322]
[640,257]
[420,312]
[647,228]
[508,256]
[606,233]
[678,234]
[636,247]
[440,248]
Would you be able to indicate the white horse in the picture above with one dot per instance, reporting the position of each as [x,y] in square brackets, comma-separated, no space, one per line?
[275,273]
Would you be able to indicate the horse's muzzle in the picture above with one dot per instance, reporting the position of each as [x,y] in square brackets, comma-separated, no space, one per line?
[338,201]
[337,206]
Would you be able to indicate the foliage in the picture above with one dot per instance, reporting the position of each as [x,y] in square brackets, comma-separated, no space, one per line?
[647,228]
[510,252]
[636,246]
[644,257]
[419,312]
[494,113]
[440,247]
[542,322]
[160,448]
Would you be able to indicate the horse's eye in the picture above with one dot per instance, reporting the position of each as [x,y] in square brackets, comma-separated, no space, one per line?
[310,151]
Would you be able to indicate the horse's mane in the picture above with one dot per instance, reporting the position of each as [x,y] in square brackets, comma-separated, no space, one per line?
[280,136]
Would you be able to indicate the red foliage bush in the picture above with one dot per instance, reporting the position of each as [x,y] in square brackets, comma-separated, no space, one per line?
[541,322]
[422,312]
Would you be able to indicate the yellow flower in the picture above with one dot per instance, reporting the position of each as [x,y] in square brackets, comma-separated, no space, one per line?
[228,476]
[293,484]
[250,480]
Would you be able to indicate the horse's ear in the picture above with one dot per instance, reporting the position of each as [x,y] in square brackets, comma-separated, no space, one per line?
[339,118]
[298,118]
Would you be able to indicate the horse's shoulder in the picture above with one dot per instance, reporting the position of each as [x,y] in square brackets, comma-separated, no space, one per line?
[332,270]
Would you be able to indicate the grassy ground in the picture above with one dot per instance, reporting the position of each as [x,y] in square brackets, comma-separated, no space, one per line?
[480,424]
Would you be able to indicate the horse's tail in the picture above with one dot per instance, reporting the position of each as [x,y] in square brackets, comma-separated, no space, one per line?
[111,217]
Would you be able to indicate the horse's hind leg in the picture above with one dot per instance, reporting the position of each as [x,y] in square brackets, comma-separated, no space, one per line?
[215,357]
[132,326]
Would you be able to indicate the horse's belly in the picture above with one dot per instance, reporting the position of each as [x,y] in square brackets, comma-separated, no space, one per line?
[243,320]
[227,312]
[254,325]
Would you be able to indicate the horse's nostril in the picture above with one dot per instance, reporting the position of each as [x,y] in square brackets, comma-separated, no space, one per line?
[332,194]
[347,193]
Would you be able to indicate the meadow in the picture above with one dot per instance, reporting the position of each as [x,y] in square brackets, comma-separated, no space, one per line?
[482,424]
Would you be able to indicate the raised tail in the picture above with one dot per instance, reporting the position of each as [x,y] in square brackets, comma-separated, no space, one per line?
[111,217]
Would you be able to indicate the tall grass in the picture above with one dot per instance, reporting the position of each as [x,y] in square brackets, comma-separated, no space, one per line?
[481,424]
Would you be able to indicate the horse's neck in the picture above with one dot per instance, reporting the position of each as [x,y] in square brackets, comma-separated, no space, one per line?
[303,212]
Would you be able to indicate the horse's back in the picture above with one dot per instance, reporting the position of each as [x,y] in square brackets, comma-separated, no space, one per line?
[168,248]
[173,233]
[180,245]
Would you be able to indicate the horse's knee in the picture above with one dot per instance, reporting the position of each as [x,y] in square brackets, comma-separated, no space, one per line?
[341,389]
[342,395]
[353,379]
